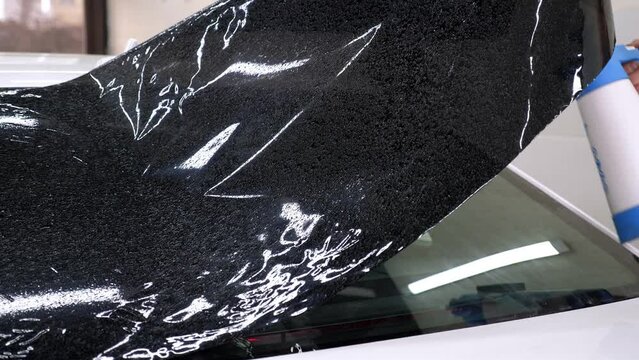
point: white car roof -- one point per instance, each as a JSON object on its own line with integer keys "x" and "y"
{"x": 37, "y": 70}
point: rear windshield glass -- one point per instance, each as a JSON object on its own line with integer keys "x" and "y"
{"x": 510, "y": 252}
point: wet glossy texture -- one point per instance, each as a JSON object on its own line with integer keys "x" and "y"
{"x": 245, "y": 165}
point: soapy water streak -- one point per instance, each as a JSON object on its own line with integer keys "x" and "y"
{"x": 198, "y": 305}
{"x": 142, "y": 124}
{"x": 249, "y": 69}
{"x": 200, "y": 50}
{"x": 17, "y": 343}
{"x": 371, "y": 33}
{"x": 133, "y": 314}
{"x": 239, "y": 168}
{"x": 532, "y": 74}
{"x": 576, "y": 82}
{"x": 270, "y": 289}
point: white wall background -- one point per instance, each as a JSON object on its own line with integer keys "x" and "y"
{"x": 560, "y": 156}
{"x": 141, "y": 19}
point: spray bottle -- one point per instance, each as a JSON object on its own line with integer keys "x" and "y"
{"x": 610, "y": 111}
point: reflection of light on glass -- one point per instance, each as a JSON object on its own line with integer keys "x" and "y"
{"x": 45, "y": 6}
{"x": 492, "y": 262}
{"x": 3, "y": 14}
{"x": 56, "y": 299}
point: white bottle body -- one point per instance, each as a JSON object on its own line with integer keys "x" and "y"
{"x": 611, "y": 118}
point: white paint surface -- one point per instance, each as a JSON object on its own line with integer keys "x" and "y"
{"x": 602, "y": 332}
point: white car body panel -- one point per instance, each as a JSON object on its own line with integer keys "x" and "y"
{"x": 601, "y": 332}
{"x": 38, "y": 70}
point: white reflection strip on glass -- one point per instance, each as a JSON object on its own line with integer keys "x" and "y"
{"x": 492, "y": 262}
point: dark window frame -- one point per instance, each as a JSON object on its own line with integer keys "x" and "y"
{"x": 95, "y": 16}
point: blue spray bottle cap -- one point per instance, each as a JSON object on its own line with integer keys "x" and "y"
{"x": 614, "y": 70}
